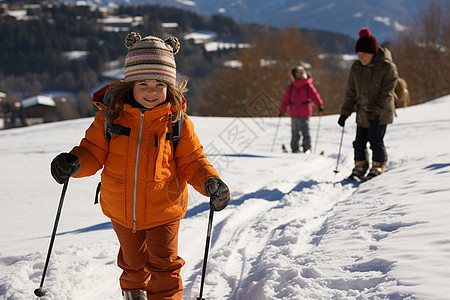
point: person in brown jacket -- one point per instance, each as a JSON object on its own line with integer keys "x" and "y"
{"x": 370, "y": 92}
{"x": 144, "y": 179}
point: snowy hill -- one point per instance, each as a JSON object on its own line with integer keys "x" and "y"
{"x": 384, "y": 17}
{"x": 293, "y": 229}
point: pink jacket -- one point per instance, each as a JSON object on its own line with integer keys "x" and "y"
{"x": 298, "y": 96}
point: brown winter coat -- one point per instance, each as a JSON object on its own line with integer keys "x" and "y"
{"x": 370, "y": 91}
{"x": 143, "y": 181}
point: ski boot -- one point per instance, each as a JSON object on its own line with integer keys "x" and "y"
{"x": 360, "y": 169}
{"x": 377, "y": 169}
{"x": 134, "y": 295}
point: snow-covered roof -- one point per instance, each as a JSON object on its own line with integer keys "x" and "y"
{"x": 76, "y": 55}
{"x": 169, "y": 25}
{"x": 121, "y": 20}
{"x": 115, "y": 73}
{"x": 18, "y": 14}
{"x": 38, "y": 100}
{"x": 201, "y": 36}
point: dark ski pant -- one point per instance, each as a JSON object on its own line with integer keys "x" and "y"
{"x": 300, "y": 125}
{"x": 374, "y": 135}
{"x": 150, "y": 253}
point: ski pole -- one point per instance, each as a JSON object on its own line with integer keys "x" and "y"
{"x": 276, "y": 133}
{"x": 205, "y": 258}
{"x": 317, "y": 134}
{"x": 39, "y": 292}
{"x": 339, "y": 154}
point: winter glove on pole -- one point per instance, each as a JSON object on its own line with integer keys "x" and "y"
{"x": 341, "y": 120}
{"x": 63, "y": 166}
{"x": 321, "y": 108}
{"x": 218, "y": 192}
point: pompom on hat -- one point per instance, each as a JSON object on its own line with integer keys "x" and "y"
{"x": 150, "y": 58}
{"x": 366, "y": 43}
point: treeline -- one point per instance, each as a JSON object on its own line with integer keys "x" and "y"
{"x": 421, "y": 53}
{"x": 32, "y": 54}
{"x": 33, "y": 60}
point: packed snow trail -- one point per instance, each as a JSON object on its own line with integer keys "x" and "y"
{"x": 269, "y": 225}
{"x": 293, "y": 229}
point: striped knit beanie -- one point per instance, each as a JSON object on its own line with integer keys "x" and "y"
{"x": 150, "y": 58}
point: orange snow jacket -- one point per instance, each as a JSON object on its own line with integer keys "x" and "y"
{"x": 143, "y": 181}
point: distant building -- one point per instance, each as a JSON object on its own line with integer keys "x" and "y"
{"x": 120, "y": 24}
{"x": 36, "y": 108}
{"x": 6, "y": 111}
{"x": 169, "y": 25}
{"x": 201, "y": 36}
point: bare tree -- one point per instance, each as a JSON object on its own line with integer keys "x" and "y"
{"x": 263, "y": 69}
{"x": 422, "y": 53}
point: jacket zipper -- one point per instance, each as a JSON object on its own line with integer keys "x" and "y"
{"x": 135, "y": 172}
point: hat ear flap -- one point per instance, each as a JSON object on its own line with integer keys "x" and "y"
{"x": 174, "y": 43}
{"x": 131, "y": 39}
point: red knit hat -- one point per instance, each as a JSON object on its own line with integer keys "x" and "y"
{"x": 367, "y": 43}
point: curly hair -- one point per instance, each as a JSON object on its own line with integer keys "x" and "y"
{"x": 121, "y": 92}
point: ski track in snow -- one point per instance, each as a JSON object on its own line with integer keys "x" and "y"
{"x": 293, "y": 229}
{"x": 257, "y": 234}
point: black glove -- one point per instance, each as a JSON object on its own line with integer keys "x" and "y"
{"x": 218, "y": 192}
{"x": 321, "y": 108}
{"x": 341, "y": 120}
{"x": 63, "y": 166}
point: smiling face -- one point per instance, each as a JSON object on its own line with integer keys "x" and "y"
{"x": 364, "y": 58}
{"x": 150, "y": 93}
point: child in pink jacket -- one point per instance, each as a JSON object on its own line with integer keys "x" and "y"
{"x": 298, "y": 96}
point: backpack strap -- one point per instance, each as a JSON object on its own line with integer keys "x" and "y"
{"x": 175, "y": 132}
{"x": 174, "y": 135}
{"x": 111, "y": 129}
{"x": 291, "y": 86}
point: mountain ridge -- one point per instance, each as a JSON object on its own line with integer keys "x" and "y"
{"x": 385, "y": 18}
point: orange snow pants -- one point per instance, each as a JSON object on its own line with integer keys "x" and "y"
{"x": 150, "y": 253}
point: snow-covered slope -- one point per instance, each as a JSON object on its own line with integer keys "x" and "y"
{"x": 293, "y": 230}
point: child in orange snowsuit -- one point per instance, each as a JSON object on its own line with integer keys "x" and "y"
{"x": 144, "y": 179}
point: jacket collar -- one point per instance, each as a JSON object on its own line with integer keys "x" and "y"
{"x": 298, "y": 83}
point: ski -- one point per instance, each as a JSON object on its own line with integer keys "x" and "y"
{"x": 285, "y": 150}
{"x": 355, "y": 178}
